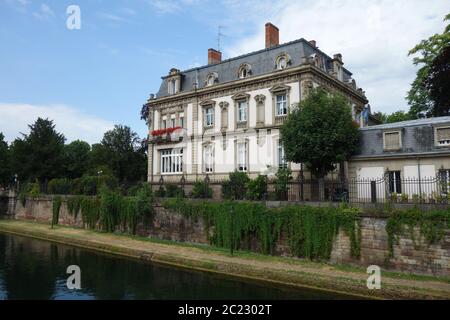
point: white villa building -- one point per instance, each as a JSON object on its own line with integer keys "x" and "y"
{"x": 226, "y": 115}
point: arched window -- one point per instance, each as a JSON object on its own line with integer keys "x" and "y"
{"x": 211, "y": 79}
{"x": 244, "y": 71}
{"x": 282, "y": 61}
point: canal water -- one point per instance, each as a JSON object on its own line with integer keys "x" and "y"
{"x": 35, "y": 269}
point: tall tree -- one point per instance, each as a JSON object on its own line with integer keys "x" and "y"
{"x": 76, "y": 158}
{"x": 123, "y": 152}
{"x": 396, "y": 116}
{"x": 5, "y": 169}
{"x": 437, "y": 84}
{"x": 421, "y": 104}
{"x": 40, "y": 154}
{"x": 320, "y": 133}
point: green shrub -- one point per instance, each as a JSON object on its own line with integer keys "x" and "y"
{"x": 173, "y": 191}
{"x": 161, "y": 192}
{"x": 91, "y": 185}
{"x": 283, "y": 176}
{"x": 257, "y": 188}
{"x": 202, "y": 190}
{"x": 59, "y": 186}
{"x": 134, "y": 189}
{"x": 236, "y": 186}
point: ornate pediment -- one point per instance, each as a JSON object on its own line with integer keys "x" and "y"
{"x": 241, "y": 96}
{"x": 280, "y": 87}
{"x": 208, "y": 103}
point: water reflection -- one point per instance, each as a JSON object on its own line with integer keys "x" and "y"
{"x": 33, "y": 269}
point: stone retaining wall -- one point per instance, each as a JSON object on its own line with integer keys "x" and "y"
{"x": 410, "y": 256}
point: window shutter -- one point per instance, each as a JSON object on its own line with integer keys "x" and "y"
{"x": 443, "y": 134}
{"x": 392, "y": 141}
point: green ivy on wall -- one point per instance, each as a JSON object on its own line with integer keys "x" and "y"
{"x": 310, "y": 231}
{"x": 56, "y": 208}
{"x": 431, "y": 225}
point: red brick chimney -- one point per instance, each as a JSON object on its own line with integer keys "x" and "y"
{"x": 272, "y": 35}
{"x": 214, "y": 56}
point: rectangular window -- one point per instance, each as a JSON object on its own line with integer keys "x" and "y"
{"x": 209, "y": 117}
{"x": 172, "y": 161}
{"x": 281, "y": 105}
{"x": 444, "y": 180}
{"x": 395, "y": 182}
{"x": 164, "y": 124}
{"x": 172, "y": 86}
{"x": 182, "y": 121}
{"x": 208, "y": 158}
{"x": 172, "y": 122}
{"x": 242, "y": 111}
{"x": 443, "y": 136}
{"x": 281, "y": 158}
{"x": 242, "y": 156}
{"x": 392, "y": 141}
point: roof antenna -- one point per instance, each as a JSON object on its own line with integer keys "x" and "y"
{"x": 219, "y": 36}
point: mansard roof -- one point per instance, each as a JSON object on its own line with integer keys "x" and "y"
{"x": 417, "y": 138}
{"x": 261, "y": 62}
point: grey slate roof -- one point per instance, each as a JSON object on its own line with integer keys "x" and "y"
{"x": 410, "y": 123}
{"x": 262, "y": 62}
{"x": 417, "y": 137}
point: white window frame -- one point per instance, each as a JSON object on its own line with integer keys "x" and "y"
{"x": 242, "y": 156}
{"x": 280, "y": 65}
{"x": 209, "y": 116}
{"x": 436, "y": 141}
{"x": 171, "y": 161}
{"x": 281, "y": 105}
{"x": 208, "y": 158}
{"x": 282, "y": 163}
{"x": 181, "y": 120}
{"x": 399, "y": 138}
{"x": 242, "y": 111}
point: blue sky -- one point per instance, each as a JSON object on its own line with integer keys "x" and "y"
{"x": 89, "y": 79}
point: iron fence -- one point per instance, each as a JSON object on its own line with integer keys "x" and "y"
{"x": 432, "y": 190}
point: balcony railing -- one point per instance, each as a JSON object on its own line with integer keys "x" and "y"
{"x": 279, "y": 120}
{"x": 168, "y": 135}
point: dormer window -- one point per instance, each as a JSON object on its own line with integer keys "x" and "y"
{"x": 172, "y": 87}
{"x": 211, "y": 79}
{"x": 442, "y": 137}
{"x": 392, "y": 141}
{"x": 282, "y": 61}
{"x": 244, "y": 71}
{"x": 174, "y": 81}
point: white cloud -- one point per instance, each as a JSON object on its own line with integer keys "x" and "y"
{"x": 112, "y": 17}
{"x": 44, "y": 13}
{"x": 171, "y": 6}
{"x": 18, "y": 5}
{"x": 74, "y": 124}
{"x": 373, "y": 36}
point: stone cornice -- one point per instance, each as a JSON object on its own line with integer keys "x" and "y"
{"x": 259, "y": 82}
